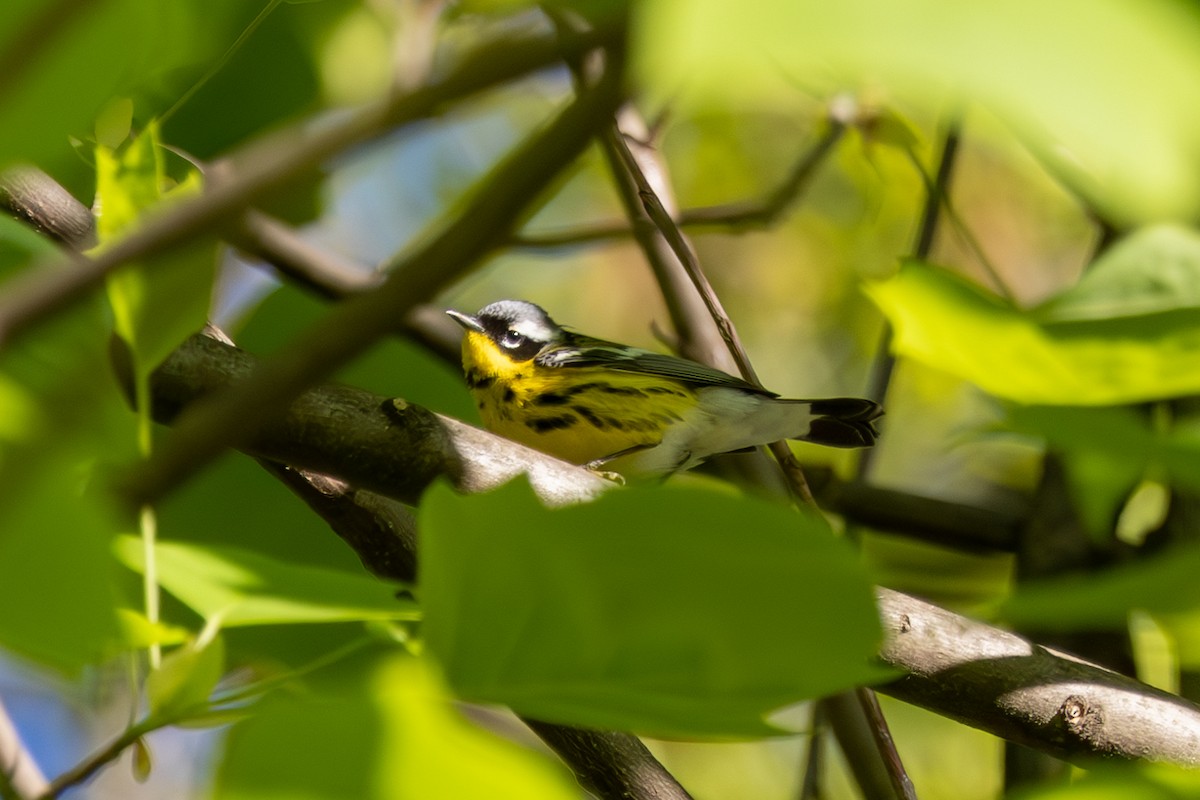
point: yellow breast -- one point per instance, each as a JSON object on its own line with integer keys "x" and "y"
{"x": 576, "y": 414}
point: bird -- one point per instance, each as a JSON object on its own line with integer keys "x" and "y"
{"x": 623, "y": 409}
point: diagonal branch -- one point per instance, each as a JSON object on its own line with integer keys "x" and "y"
{"x": 349, "y": 328}
{"x": 267, "y": 166}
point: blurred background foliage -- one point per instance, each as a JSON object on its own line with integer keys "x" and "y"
{"x": 1047, "y": 360}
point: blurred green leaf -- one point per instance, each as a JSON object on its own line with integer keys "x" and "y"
{"x": 186, "y": 678}
{"x": 1163, "y": 583}
{"x": 77, "y": 57}
{"x": 1154, "y": 269}
{"x": 55, "y": 567}
{"x": 1123, "y": 439}
{"x": 269, "y": 515}
{"x": 1121, "y": 782}
{"x": 1108, "y": 452}
{"x": 239, "y": 587}
{"x": 61, "y": 422}
{"x": 947, "y": 323}
{"x": 269, "y": 71}
{"x": 389, "y": 732}
{"x": 138, "y": 632}
{"x": 438, "y": 754}
{"x": 674, "y": 611}
{"x": 1053, "y": 73}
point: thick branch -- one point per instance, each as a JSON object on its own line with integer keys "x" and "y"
{"x": 1047, "y": 700}
{"x": 38, "y": 200}
{"x": 356, "y": 436}
{"x": 963, "y": 669}
{"x": 352, "y": 326}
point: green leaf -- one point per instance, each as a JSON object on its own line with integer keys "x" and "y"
{"x": 1164, "y": 583}
{"x": 673, "y": 611}
{"x": 1052, "y": 72}
{"x": 56, "y": 577}
{"x": 156, "y": 305}
{"x": 388, "y": 732}
{"x": 1153, "y": 270}
{"x": 1109, "y": 451}
{"x": 239, "y": 587}
{"x": 80, "y": 56}
{"x": 186, "y": 678}
{"x": 438, "y": 754}
{"x": 1120, "y": 782}
{"x": 138, "y": 632}
{"x": 947, "y": 323}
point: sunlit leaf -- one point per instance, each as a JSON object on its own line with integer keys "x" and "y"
{"x": 947, "y": 323}
{"x": 1054, "y": 73}
{"x": 437, "y": 754}
{"x": 1153, "y": 270}
{"x": 388, "y": 732}
{"x": 1120, "y": 782}
{"x": 239, "y": 587}
{"x": 674, "y": 611}
{"x": 138, "y": 632}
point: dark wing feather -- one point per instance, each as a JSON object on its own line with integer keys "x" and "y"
{"x": 584, "y": 351}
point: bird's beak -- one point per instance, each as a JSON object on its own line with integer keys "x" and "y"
{"x": 466, "y": 320}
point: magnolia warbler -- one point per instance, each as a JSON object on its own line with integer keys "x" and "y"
{"x": 633, "y": 411}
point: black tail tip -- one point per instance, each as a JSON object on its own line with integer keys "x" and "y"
{"x": 844, "y": 422}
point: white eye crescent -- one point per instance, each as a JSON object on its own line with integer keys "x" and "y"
{"x": 512, "y": 339}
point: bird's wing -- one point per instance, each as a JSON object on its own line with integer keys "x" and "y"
{"x": 584, "y": 351}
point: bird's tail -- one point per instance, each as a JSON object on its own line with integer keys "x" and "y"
{"x": 842, "y": 422}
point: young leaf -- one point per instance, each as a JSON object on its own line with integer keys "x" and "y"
{"x": 244, "y": 588}
{"x": 158, "y": 304}
{"x": 949, "y": 324}
{"x": 674, "y": 611}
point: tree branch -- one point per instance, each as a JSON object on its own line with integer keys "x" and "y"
{"x": 38, "y": 200}
{"x": 355, "y": 435}
{"x": 972, "y": 672}
{"x": 267, "y": 166}
{"x": 349, "y": 328}
{"x": 1042, "y": 698}
{"x": 735, "y": 216}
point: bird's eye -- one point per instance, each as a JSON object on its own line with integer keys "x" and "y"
{"x": 512, "y": 340}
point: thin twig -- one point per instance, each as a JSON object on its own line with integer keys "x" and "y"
{"x": 885, "y": 361}
{"x": 884, "y": 743}
{"x": 84, "y": 770}
{"x": 814, "y": 756}
{"x": 687, "y": 258}
{"x": 880, "y": 380}
{"x": 733, "y": 216}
